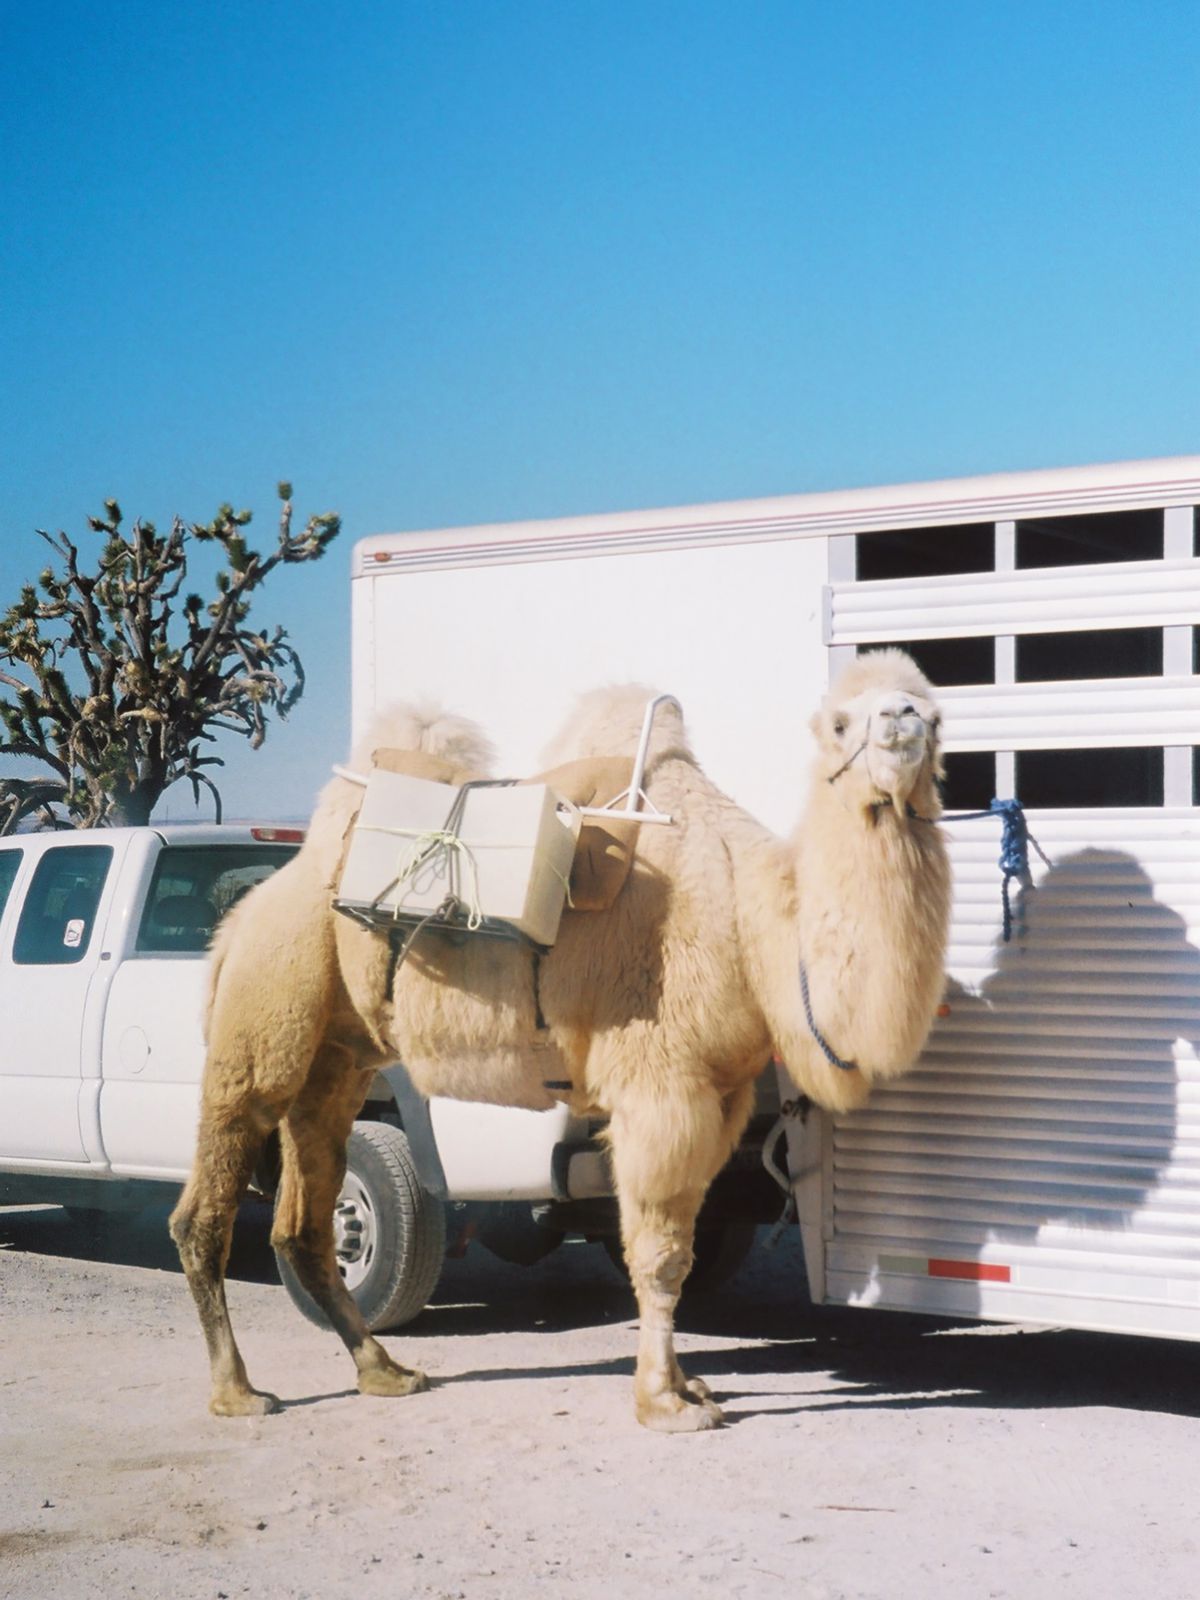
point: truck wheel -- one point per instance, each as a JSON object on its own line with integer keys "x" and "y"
{"x": 719, "y": 1250}
{"x": 511, "y": 1231}
{"x": 390, "y": 1236}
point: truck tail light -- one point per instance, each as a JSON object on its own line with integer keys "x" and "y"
{"x": 278, "y": 835}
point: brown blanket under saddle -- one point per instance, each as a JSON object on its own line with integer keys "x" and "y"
{"x": 604, "y": 852}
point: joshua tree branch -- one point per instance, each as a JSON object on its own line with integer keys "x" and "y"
{"x": 154, "y": 688}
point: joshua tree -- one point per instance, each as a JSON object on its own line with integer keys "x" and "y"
{"x": 118, "y": 685}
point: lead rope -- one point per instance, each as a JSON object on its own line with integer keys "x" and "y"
{"x": 827, "y": 1050}
{"x": 1014, "y": 847}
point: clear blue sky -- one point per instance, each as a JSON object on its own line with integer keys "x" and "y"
{"x": 482, "y": 259}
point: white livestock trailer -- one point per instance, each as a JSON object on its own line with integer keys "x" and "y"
{"x": 1042, "y": 1163}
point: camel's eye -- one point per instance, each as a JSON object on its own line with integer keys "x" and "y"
{"x": 839, "y": 724}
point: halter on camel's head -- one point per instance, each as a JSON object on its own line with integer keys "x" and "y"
{"x": 878, "y": 732}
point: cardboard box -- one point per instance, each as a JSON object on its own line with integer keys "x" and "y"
{"x": 505, "y": 857}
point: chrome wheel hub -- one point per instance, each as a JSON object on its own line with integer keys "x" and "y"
{"x": 355, "y": 1232}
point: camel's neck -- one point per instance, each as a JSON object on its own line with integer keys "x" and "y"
{"x": 863, "y": 898}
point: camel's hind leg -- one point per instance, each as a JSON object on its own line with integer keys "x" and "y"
{"x": 228, "y": 1146}
{"x": 667, "y": 1148}
{"x": 313, "y": 1144}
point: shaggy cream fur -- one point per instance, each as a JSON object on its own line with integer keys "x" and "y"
{"x": 660, "y": 1012}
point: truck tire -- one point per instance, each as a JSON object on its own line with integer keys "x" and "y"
{"x": 719, "y": 1250}
{"x": 390, "y": 1236}
{"x": 510, "y": 1230}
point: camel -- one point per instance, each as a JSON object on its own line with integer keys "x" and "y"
{"x": 727, "y": 947}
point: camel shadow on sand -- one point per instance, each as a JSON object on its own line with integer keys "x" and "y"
{"x": 135, "y": 1238}
{"x": 887, "y": 1361}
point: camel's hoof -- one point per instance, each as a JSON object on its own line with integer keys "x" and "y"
{"x": 672, "y": 1413}
{"x": 243, "y": 1403}
{"x": 697, "y": 1388}
{"x": 391, "y": 1381}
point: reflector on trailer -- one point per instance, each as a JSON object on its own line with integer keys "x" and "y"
{"x": 940, "y": 1267}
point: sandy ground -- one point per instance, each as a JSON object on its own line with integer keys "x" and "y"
{"x": 867, "y": 1455}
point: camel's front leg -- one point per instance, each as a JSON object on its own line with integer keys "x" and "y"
{"x": 667, "y": 1148}
{"x": 658, "y": 1251}
{"x": 313, "y": 1145}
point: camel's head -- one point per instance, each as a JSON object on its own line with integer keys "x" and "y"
{"x": 878, "y": 732}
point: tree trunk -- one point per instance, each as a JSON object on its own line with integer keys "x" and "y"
{"x": 134, "y": 810}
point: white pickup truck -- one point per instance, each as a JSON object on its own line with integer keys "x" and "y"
{"x": 102, "y": 955}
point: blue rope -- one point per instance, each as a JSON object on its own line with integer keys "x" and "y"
{"x": 1014, "y": 848}
{"x": 829, "y": 1053}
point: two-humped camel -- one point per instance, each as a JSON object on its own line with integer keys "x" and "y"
{"x": 661, "y": 1011}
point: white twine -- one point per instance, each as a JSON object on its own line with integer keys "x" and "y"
{"x": 436, "y": 849}
{"x": 433, "y": 847}
{"x": 566, "y": 884}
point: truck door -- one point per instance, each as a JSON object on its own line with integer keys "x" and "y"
{"x": 153, "y": 1045}
{"x": 44, "y": 981}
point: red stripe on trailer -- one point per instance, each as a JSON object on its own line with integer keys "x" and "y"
{"x": 976, "y": 1271}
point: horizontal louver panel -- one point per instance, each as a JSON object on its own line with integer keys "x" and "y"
{"x": 1050, "y": 1136}
{"x": 1040, "y": 600}
{"x": 1061, "y": 716}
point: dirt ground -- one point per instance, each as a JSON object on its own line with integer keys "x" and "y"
{"x": 868, "y": 1457}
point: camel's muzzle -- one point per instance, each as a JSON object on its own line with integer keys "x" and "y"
{"x": 900, "y": 729}
{"x": 901, "y": 739}
{"x": 904, "y": 737}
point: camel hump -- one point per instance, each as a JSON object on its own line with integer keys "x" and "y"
{"x": 419, "y": 764}
{"x": 431, "y": 730}
{"x": 608, "y": 722}
{"x": 604, "y": 850}
{"x": 589, "y": 781}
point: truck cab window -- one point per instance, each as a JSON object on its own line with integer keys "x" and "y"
{"x": 192, "y": 889}
{"x": 59, "y": 914}
{"x": 10, "y": 860}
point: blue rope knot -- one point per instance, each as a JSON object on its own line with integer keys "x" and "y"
{"x": 1014, "y": 852}
{"x": 1014, "y": 848}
